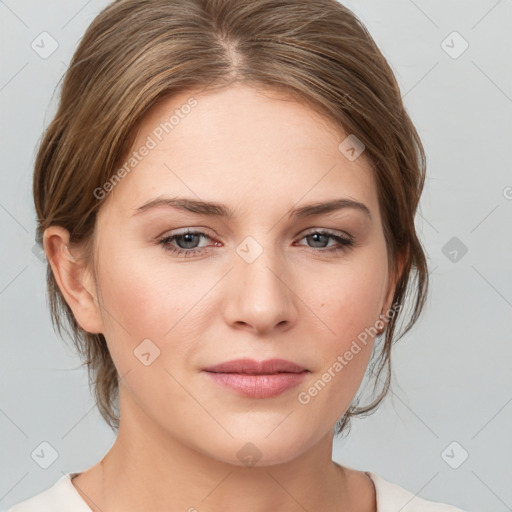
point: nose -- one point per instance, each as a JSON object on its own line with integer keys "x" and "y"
{"x": 259, "y": 295}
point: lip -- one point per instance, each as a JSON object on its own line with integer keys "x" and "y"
{"x": 250, "y": 378}
{"x": 253, "y": 367}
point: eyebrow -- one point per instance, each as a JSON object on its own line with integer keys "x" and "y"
{"x": 219, "y": 210}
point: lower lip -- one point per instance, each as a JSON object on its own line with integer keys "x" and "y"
{"x": 258, "y": 386}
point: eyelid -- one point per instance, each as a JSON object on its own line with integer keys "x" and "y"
{"x": 334, "y": 232}
{"x": 184, "y": 231}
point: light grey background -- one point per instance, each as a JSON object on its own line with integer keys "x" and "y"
{"x": 452, "y": 374}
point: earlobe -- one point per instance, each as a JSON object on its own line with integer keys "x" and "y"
{"x": 74, "y": 279}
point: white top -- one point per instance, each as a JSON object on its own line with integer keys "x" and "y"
{"x": 63, "y": 497}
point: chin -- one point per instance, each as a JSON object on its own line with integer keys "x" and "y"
{"x": 257, "y": 448}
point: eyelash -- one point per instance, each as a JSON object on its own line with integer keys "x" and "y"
{"x": 345, "y": 243}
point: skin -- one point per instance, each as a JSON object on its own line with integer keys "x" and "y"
{"x": 259, "y": 154}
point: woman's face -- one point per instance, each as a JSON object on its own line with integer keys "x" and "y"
{"x": 259, "y": 284}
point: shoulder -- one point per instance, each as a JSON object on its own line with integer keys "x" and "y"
{"x": 61, "y": 497}
{"x": 392, "y": 498}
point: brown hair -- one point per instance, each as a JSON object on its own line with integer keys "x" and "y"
{"x": 136, "y": 52}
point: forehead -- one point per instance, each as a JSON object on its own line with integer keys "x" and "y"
{"x": 245, "y": 147}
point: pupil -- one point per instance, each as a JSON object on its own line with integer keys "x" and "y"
{"x": 187, "y": 240}
{"x": 316, "y": 236}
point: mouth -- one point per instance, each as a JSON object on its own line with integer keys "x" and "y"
{"x": 253, "y": 379}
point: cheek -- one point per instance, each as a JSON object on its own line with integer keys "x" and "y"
{"x": 348, "y": 299}
{"x": 140, "y": 302}
{"x": 348, "y": 306}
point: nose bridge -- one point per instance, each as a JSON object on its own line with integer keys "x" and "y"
{"x": 259, "y": 294}
{"x": 258, "y": 266}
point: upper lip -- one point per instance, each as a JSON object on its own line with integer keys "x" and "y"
{"x": 251, "y": 366}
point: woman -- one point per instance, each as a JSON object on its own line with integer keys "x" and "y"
{"x": 226, "y": 198}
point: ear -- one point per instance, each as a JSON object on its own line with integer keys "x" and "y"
{"x": 394, "y": 276}
{"x": 74, "y": 279}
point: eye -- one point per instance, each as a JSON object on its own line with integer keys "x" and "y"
{"x": 188, "y": 239}
{"x": 322, "y": 236}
